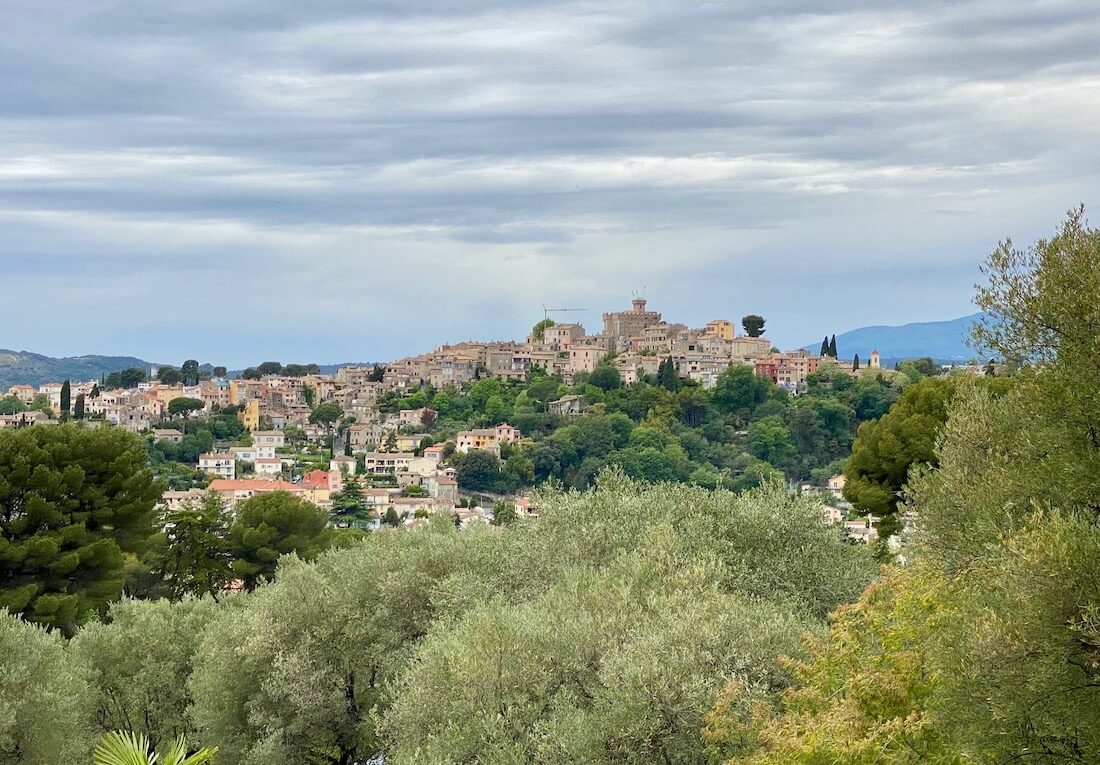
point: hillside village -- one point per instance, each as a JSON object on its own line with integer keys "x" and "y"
{"x": 332, "y": 440}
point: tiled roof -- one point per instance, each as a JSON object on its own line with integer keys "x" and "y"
{"x": 253, "y": 484}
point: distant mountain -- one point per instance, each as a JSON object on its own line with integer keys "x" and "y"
{"x": 330, "y": 369}
{"x": 942, "y": 340}
{"x": 25, "y": 368}
{"x": 326, "y": 369}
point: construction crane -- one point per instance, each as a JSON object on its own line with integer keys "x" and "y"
{"x": 547, "y": 310}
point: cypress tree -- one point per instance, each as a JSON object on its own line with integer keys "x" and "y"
{"x": 832, "y": 347}
{"x": 78, "y": 407}
{"x": 66, "y": 398}
{"x": 666, "y": 375}
{"x": 855, "y": 363}
{"x": 824, "y": 347}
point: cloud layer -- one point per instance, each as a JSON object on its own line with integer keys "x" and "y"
{"x": 319, "y": 181}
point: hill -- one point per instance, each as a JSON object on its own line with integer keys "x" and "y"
{"x": 25, "y": 368}
{"x": 942, "y": 340}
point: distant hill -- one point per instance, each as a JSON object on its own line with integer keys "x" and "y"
{"x": 942, "y": 340}
{"x": 25, "y": 368}
{"x": 326, "y": 369}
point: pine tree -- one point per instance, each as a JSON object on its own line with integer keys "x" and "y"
{"x": 753, "y": 324}
{"x": 832, "y": 347}
{"x": 391, "y": 442}
{"x": 349, "y": 501}
{"x": 65, "y": 541}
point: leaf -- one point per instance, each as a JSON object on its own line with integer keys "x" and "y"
{"x": 120, "y": 748}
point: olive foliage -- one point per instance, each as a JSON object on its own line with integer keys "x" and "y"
{"x": 985, "y": 648}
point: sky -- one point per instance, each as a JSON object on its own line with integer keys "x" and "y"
{"x": 338, "y": 180}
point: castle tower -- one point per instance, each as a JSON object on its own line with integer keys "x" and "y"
{"x": 639, "y": 305}
{"x": 875, "y": 360}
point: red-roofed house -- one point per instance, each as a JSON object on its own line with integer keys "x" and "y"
{"x": 238, "y": 490}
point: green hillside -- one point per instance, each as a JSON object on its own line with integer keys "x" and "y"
{"x": 25, "y": 368}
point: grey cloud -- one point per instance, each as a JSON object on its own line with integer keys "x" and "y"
{"x": 715, "y": 152}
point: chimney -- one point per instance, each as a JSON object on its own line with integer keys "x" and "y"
{"x": 639, "y": 305}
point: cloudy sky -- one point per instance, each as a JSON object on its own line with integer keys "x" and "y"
{"x": 344, "y": 180}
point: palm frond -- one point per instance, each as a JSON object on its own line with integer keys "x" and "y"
{"x": 124, "y": 748}
{"x": 201, "y": 757}
{"x": 127, "y": 748}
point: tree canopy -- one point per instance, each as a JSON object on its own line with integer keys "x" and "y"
{"x": 753, "y": 325}
{"x": 72, "y": 502}
{"x": 270, "y": 525}
{"x": 983, "y": 647}
{"x": 184, "y": 406}
{"x": 326, "y": 413}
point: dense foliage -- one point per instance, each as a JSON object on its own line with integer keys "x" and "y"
{"x": 737, "y": 435}
{"x": 986, "y": 647}
{"x": 530, "y": 641}
{"x": 270, "y": 525}
{"x": 73, "y": 502}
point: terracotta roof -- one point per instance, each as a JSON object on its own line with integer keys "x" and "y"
{"x": 253, "y": 484}
{"x": 316, "y": 477}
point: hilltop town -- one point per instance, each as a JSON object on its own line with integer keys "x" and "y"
{"x": 391, "y": 441}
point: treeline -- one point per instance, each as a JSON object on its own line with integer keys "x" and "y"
{"x": 740, "y": 434}
{"x": 599, "y": 633}
{"x": 79, "y": 529}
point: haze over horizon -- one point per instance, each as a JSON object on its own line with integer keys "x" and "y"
{"x": 327, "y": 183}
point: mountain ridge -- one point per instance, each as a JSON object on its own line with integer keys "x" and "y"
{"x": 942, "y": 340}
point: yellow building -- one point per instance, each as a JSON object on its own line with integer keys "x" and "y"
{"x": 250, "y": 415}
{"x": 720, "y": 328}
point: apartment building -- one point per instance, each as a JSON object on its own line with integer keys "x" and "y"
{"x": 219, "y": 465}
{"x": 383, "y": 462}
{"x": 488, "y": 439}
{"x": 274, "y": 439}
{"x": 234, "y": 491}
{"x": 721, "y": 328}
